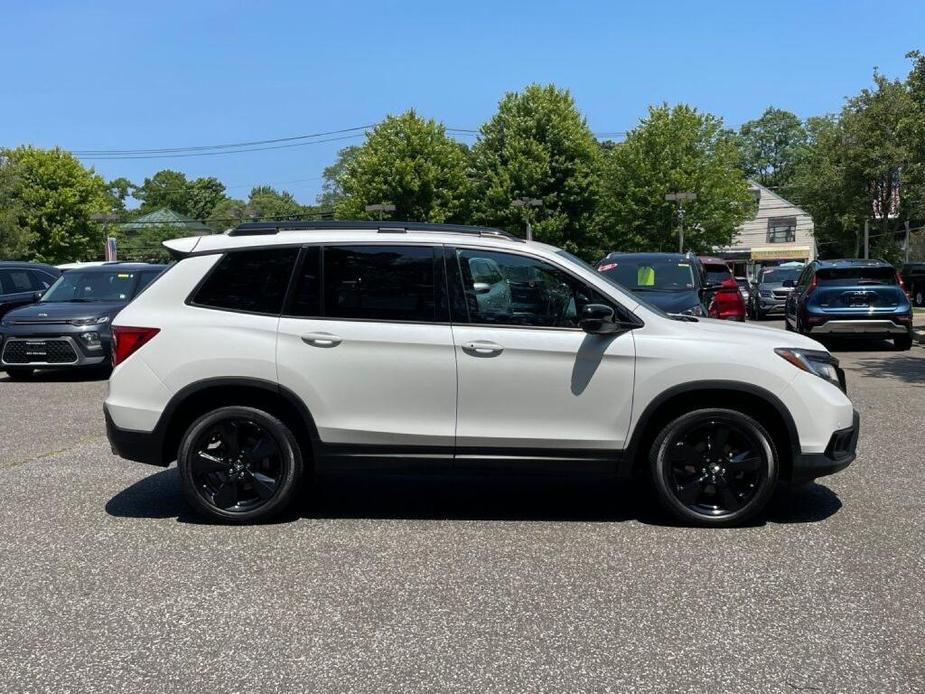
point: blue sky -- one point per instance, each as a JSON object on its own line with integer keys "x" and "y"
{"x": 115, "y": 75}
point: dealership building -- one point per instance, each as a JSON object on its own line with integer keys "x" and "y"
{"x": 780, "y": 232}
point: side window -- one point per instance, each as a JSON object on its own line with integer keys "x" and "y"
{"x": 306, "y": 300}
{"x": 15, "y": 281}
{"x": 41, "y": 281}
{"x": 252, "y": 281}
{"x": 509, "y": 289}
{"x": 380, "y": 283}
{"x": 804, "y": 278}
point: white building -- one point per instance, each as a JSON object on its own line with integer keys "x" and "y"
{"x": 779, "y": 232}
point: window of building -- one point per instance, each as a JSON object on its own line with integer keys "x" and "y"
{"x": 782, "y": 229}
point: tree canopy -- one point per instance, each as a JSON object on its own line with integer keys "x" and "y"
{"x": 537, "y": 145}
{"x": 772, "y": 147}
{"x": 674, "y": 149}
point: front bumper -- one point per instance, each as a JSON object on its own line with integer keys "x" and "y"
{"x": 139, "y": 446}
{"x": 44, "y": 347}
{"x": 838, "y": 455}
{"x": 771, "y": 305}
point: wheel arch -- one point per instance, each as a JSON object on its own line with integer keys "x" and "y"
{"x": 195, "y": 399}
{"x": 750, "y": 399}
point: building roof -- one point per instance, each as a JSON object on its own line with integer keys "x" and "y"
{"x": 165, "y": 217}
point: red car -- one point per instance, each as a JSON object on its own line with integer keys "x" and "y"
{"x": 727, "y": 302}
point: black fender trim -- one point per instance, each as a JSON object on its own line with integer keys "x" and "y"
{"x": 636, "y": 439}
{"x": 150, "y": 447}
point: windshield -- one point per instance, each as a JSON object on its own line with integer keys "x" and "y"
{"x": 77, "y": 285}
{"x": 779, "y": 274}
{"x": 650, "y": 275}
{"x": 578, "y": 261}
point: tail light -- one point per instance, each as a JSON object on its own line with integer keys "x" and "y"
{"x": 902, "y": 285}
{"x": 126, "y": 341}
{"x": 812, "y": 285}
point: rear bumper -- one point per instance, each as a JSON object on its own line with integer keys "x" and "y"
{"x": 139, "y": 446}
{"x": 838, "y": 455}
{"x": 859, "y": 326}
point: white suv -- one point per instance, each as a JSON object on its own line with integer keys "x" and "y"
{"x": 280, "y": 349}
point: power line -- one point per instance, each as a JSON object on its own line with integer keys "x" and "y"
{"x": 217, "y": 152}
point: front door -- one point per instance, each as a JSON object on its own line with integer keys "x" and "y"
{"x": 532, "y": 384}
{"x": 369, "y": 349}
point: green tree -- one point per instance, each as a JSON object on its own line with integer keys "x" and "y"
{"x": 538, "y": 145}
{"x": 166, "y": 188}
{"x": 331, "y": 191}
{"x": 203, "y": 195}
{"x": 265, "y": 202}
{"x": 410, "y": 162}
{"x": 674, "y": 149}
{"x": 117, "y": 190}
{"x": 49, "y": 201}
{"x": 772, "y": 146}
{"x": 226, "y": 214}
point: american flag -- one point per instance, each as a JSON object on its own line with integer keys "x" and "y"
{"x": 110, "y": 249}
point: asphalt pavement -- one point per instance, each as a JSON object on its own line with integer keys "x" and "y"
{"x": 375, "y": 584}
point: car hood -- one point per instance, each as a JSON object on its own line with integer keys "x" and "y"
{"x": 671, "y": 302}
{"x": 54, "y": 311}
{"x": 748, "y": 333}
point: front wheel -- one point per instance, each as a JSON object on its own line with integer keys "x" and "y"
{"x": 239, "y": 464}
{"x": 714, "y": 467}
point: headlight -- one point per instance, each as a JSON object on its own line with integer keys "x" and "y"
{"x": 696, "y": 310}
{"x": 91, "y": 340}
{"x": 81, "y": 322}
{"x": 821, "y": 364}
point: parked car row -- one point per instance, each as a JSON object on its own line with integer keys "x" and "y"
{"x": 66, "y": 317}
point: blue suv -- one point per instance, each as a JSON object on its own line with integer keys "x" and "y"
{"x": 850, "y": 298}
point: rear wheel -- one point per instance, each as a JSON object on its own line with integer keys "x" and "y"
{"x": 918, "y": 296}
{"x": 714, "y": 467}
{"x": 239, "y": 464}
{"x": 902, "y": 342}
{"x": 19, "y": 373}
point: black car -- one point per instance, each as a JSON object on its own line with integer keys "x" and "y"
{"x": 70, "y": 325}
{"x": 913, "y": 275}
{"x": 674, "y": 282}
{"x": 21, "y": 282}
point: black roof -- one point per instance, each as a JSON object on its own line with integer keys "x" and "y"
{"x": 27, "y": 264}
{"x": 385, "y": 226}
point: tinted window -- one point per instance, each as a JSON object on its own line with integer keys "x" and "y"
{"x": 715, "y": 274}
{"x": 253, "y": 281}
{"x": 145, "y": 279}
{"x": 856, "y": 275}
{"x": 15, "y": 281}
{"x": 508, "y": 289}
{"x": 649, "y": 274}
{"x": 41, "y": 281}
{"x": 380, "y": 283}
{"x": 93, "y": 285}
{"x": 307, "y": 293}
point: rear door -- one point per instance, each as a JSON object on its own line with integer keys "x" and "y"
{"x": 532, "y": 384}
{"x": 16, "y": 288}
{"x": 365, "y": 342}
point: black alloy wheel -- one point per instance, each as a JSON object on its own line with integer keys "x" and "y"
{"x": 239, "y": 464}
{"x": 714, "y": 467}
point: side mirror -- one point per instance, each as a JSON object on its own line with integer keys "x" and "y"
{"x": 598, "y": 319}
{"x": 37, "y": 296}
{"x": 481, "y": 287}
{"x": 789, "y": 283}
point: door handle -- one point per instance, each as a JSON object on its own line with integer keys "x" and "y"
{"x": 321, "y": 339}
{"x": 482, "y": 348}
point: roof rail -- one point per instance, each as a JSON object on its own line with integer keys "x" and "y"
{"x": 383, "y": 227}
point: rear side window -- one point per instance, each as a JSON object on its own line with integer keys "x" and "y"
{"x": 251, "y": 281}
{"x": 15, "y": 281}
{"x": 379, "y": 283}
{"x": 850, "y": 276}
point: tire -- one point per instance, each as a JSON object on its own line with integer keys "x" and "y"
{"x": 758, "y": 314}
{"x": 787, "y": 325}
{"x": 19, "y": 373}
{"x": 918, "y": 296}
{"x": 239, "y": 465}
{"x": 902, "y": 342}
{"x": 703, "y": 486}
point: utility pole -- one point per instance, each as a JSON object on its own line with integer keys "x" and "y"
{"x": 380, "y": 208}
{"x": 680, "y": 198}
{"x": 526, "y": 204}
{"x": 866, "y": 239}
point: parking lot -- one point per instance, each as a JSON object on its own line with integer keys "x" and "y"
{"x": 457, "y": 584}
